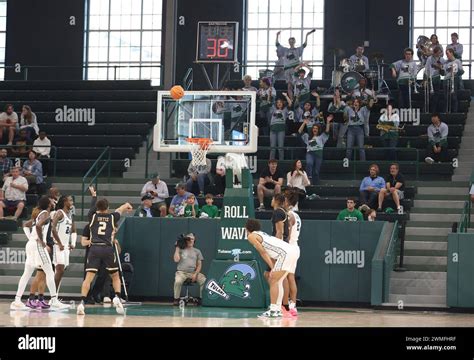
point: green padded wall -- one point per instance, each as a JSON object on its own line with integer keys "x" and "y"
{"x": 460, "y": 287}
{"x": 150, "y": 243}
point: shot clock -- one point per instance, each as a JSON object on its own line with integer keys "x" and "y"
{"x": 217, "y": 42}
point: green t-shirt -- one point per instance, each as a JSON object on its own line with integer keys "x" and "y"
{"x": 354, "y": 215}
{"x": 211, "y": 210}
{"x": 188, "y": 210}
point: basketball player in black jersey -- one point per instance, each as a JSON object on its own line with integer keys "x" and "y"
{"x": 102, "y": 228}
{"x": 280, "y": 230}
{"x": 279, "y": 218}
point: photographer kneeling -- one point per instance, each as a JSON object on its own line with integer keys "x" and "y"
{"x": 189, "y": 261}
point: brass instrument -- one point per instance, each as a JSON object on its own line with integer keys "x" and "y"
{"x": 386, "y": 127}
{"x": 425, "y": 48}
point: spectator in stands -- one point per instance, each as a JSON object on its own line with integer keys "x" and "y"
{"x": 5, "y": 163}
{"x": 301, "y": 83}
{"x": 189, "y": 261}
{"x": 279, "y": 115}
{"x": 371, "y": 215}
{"x": 350, "y": 213}
{"x": 270, "y": 182}
{"x": 437, "y": 150}
{"x": 314, "y": 148}
{"x": 8, "y": 123}
{"x": 394, "y": 187}
{"x": 145, "y": 210}
{"x": 297, "y": 179}
{"x": 159, "y": 192}
{"x": 179, "y": 200}
{"x": 361, "y": 92}
{"x": 219, "y": 178}
{"x": 265, "y": 97}
{"x": 33, "y": 172}
{"x": 198, "y": 175}
{"x": 357, "y": 127}
{"x": 455, "y": 45}
{"x": 248, "y": 84}
{"x": 192, "y": 208}
{"x": 389, "y": 122}
{"x": 29, "y": 122}
{"x": 337, "y": 107}
{"x": 307, "y": 111}
{"x": 22, "y": 145}
{"x": 13, "y": 194}
{"x": 42, "y": 147}
{"x": 370, "y": 188}
{"x": 471, "y": 192}
{"x": 209, "y": 210}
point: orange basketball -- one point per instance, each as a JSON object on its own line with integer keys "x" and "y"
{"x": 177, "y": 92}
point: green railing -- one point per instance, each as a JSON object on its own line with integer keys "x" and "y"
{"x": 149, "y": 144}
{"x": 104, "y": 157}
{"x": 465, "y": 217}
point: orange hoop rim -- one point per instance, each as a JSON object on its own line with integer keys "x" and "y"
{"x": 203, "y": 143}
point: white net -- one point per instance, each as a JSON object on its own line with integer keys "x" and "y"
{"x": 199, "y": 151}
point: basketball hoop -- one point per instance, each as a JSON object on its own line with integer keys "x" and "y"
{"x": 199, "y": 149}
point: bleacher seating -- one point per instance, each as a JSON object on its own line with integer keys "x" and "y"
{"x": 131, "y": 104}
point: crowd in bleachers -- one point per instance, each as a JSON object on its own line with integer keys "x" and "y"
{"x": 24, "y": 154}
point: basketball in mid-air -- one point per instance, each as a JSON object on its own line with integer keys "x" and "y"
{"x": 177, "y": 92}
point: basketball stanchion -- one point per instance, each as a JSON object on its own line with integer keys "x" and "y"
{"x": 127, "y": 302}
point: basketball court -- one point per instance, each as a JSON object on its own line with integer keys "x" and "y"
{"x": 164, "y": 315}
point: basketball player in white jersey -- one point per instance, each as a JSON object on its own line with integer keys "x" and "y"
{"x": 38, "y": 285}
{"x": 294, "y": 222}
{"x": 63, "y": 230}
{"x": 37, "y": 257}
{"x": 285, "y": 256}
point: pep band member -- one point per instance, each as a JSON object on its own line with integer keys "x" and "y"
{"x": 404, "y": 71}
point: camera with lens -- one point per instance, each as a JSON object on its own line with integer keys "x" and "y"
{"x": 182, "y": 241}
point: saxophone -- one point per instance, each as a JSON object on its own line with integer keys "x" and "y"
{"x": 386, "y": 127}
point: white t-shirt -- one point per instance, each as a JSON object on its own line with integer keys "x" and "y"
{"x": 15, "y": 194}
{"x": 44, "y": 151}
{"x": 13, "y": 117}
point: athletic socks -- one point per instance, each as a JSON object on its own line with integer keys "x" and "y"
{"x": 83, "y": 299}
{"x": 32, "y": 297}
{"x": 41, "y": 297}
{"x": 274, "y": 307}
{"x": 292, "y": 305}
{"x": 117, "y": 295}
{"x": 287, "y": 307}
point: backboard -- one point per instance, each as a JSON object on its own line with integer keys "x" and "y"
{"x": 226, "y": 117}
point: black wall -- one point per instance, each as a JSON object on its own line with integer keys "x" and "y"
{"x": 39, "y": 34}
{"x": 349, "y": 23}
{"x": 203, "y": 10}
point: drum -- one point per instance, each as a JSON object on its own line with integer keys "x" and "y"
{"x": 371, "y": 74}
{"x": 345, "y": 65}
{"x": 350, "y": 81}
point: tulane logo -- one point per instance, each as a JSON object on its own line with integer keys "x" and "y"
{"x": 234, "y": 282}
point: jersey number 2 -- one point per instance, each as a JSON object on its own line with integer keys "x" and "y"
{"x": 102, "y": 227}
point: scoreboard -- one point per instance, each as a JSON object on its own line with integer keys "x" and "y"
{"x": 217, "y": 42}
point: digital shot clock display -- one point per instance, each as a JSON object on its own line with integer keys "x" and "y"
{"x": 217, "y": 42}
